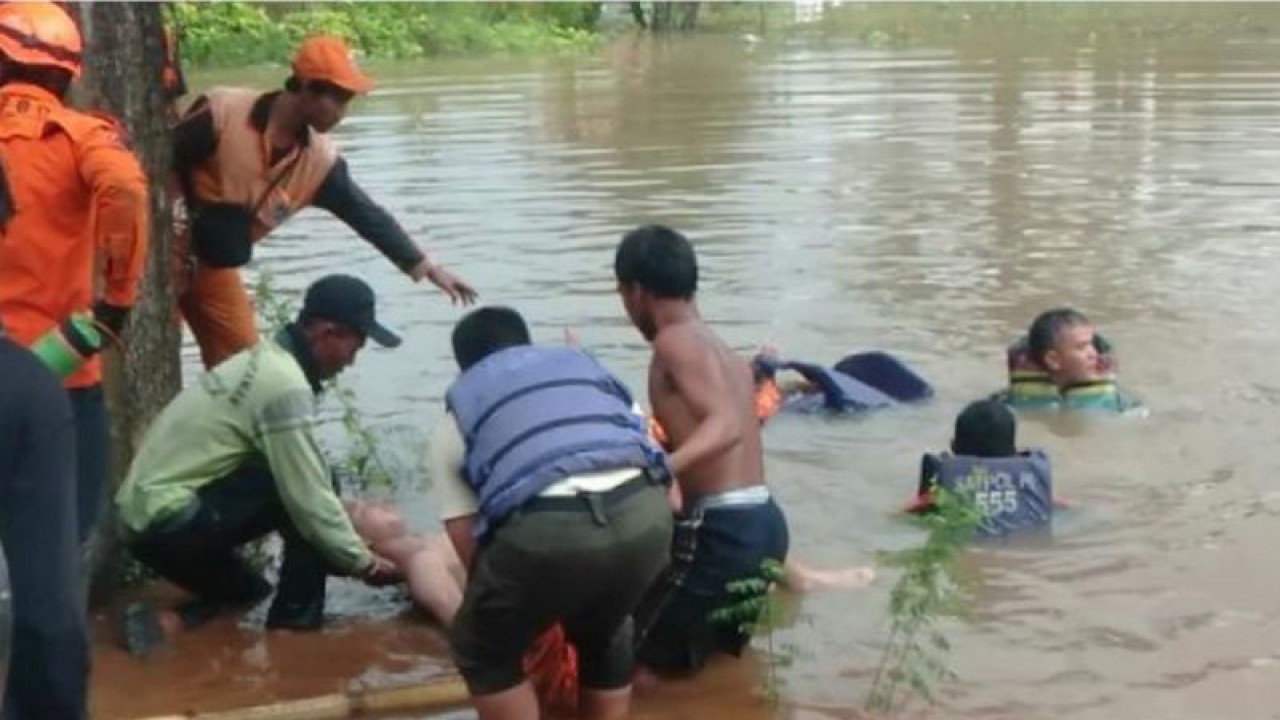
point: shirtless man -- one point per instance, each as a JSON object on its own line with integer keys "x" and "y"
{"x": 703, "y": 396}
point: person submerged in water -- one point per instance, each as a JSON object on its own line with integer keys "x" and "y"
{"x": 1063, "y": 363}
{"x": 1012, "y": 489}
{"x": 859, "y": 382}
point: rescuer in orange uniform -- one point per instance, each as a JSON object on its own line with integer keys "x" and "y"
{"x": 77, "y": 238}
{"x": 247, "y": 161}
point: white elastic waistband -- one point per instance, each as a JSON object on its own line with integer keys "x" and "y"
{"x": 738, "y": 497}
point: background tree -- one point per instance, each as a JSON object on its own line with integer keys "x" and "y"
{"x": 662, "y": 17}
{"x": 124, "y": 64}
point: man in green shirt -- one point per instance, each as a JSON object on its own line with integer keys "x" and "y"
{"x": 233, "y": 458}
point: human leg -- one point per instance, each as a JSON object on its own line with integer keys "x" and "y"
{"x": 218, "y": 310}
{"x": 497, "y": 621}
{"x": 636, "y": 551}
{"x": 714, "y": 546}
{"x": 430, "y": 566}
{"x": 90, "y": 409}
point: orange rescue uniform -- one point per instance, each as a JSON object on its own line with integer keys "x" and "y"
{"x": 213, "y": 300}
{"x": 80, "y": 208}
{"x": 223, "y": 157}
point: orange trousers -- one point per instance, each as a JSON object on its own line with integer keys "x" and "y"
{"x": 217, "y": 308}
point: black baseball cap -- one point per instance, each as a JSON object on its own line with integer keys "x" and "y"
{"x": 349, "y": 301}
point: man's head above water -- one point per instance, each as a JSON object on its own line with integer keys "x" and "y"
{"x": 1062, "y": 343}
{"x": 986, "y": 428}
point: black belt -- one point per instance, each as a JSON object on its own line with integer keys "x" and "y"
{"x": 595, "y": 502}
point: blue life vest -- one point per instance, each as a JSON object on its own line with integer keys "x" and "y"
{"x": 859, "y": 382}
{"x": 1013, "y": 493}
{"x": 532, "y": 416}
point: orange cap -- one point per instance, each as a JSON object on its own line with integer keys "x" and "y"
{"x": 40, "y": 33}
{"x": 329, "y": 58}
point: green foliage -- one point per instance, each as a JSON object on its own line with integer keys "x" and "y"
{"x": 1055, "y": 23}
{"x": 929, "y": 590}
{"x": 757, "y": 610}
{"x": 245, "y": 33}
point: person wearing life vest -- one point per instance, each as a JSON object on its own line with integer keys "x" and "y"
{"x": 1013, "y": 490}
{"x": 80, "y": 217}
{"x": 859, "y": 382}
{"x": 233, "y": 458}
{"x": 1064, "y": 363}
{"x": 247, "y": 161}
{"x": 553, "y": 495}
{"x": 48, "y": 665}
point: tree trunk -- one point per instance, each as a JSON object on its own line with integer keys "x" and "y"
{"x": 637, "y": 14}
{"x": 665, "y": 17}
{"x": 124, "y": 64}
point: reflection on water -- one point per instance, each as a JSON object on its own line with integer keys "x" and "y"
{"x": 925, "y": 201}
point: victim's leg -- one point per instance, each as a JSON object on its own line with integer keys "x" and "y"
{"x": 430, "y": 567}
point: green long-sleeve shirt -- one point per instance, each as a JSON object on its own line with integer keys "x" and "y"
{"x": 257, "y": 405}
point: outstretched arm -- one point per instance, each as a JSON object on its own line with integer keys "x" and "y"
{"x": 340, "y": 195}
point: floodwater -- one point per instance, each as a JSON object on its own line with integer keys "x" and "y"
{"x": 929, "y": 202}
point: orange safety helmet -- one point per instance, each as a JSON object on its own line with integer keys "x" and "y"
{"x": 40, "y": 33}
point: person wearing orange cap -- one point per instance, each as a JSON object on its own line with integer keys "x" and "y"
{"x": 80, "y": 217}
{"x": 247, "y": 161}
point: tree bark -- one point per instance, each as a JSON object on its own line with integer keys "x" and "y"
{"x": 124, "y": 65}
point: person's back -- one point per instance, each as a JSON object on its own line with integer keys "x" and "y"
{"x": 50, "y": 659}
{"x": 47, "y": 277}
{"x": 702, "y": 392}
{"x": 207, "y": 431}
{"x": 1013, "y": 490}
{"x": 682, "y": 413}
{"x": 552, "y": 494}
{"x": 77, "y": 236}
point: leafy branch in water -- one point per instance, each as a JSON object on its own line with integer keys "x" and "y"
{"x": 928, "y": 591}
{"x": 757, "y": 610}
{"x": 362, "y": 461}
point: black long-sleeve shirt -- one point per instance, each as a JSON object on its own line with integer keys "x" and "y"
{"x": 195, "y": 140}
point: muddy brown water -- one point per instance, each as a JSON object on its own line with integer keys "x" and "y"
{"x": 929, "y": 202}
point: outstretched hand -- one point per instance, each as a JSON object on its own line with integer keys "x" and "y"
{"x": 456, "y": 288}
